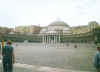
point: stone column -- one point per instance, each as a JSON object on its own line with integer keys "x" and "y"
{"x": 59, "y": 38}
{"x": 49, "y": 39}
{"x": 55, "y": 38}
{"x": 42, "y": 38}
{"x": 56, "y": 41}
{"x": 45, "y": 38}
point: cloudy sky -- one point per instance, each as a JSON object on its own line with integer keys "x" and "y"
{"x": 43, "y": 12}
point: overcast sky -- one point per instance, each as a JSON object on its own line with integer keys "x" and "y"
{"x": 34, "y": 12}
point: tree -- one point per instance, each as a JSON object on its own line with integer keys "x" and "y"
{"x": 96, "y": 34}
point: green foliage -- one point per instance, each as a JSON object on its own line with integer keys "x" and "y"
{"x": 96, "y": 33}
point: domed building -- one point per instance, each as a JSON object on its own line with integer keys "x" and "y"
{"x": 53, "y": 32}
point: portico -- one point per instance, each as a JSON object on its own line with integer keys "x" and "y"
{"x": 51, "y": 38}
{"x": 52, "y": 33}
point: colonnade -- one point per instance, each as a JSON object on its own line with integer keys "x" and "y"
{"x": 50, "y": 38}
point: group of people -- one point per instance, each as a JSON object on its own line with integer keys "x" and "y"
{"x": 8, "y": 57}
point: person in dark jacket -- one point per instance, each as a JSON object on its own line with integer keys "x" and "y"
{"x": 8, "y": 57}
{"x": 97, "y": 59}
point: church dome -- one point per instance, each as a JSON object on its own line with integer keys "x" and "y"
{"x": 58, "y": 23}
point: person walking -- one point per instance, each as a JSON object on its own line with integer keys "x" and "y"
{"x": 97, "y": 59}
{"x": 8, "y": 57}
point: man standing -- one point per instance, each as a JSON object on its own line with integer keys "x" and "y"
{"x": 8, "y": 57}
{"x": 97, "y": 59}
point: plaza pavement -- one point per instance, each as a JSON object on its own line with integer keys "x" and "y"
{"x": 30, "y": 68}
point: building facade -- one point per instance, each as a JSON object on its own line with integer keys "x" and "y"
{"x": 56, "y": 32}
{"x": 59, "y": 31}
{"x": 52, "y": 33}
{"x": 28, "y": 30}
